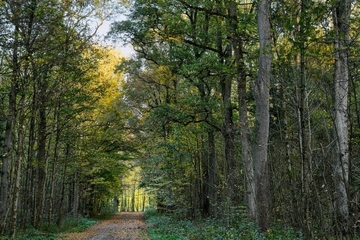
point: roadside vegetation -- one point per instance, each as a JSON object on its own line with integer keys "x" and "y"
{"x": 168, "y": 226}
{"x": 54, "y": 231}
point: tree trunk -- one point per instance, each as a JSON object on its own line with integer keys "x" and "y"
{"x": 341, "y": 16}
{"x": 228, "y": 134}
{"x": 250, "y": 195}
{"x": 75, "y": 203}
{"x": 18, "y": 161}
{"x": 304, "y": 132}
{"x": 53, "y": 168}
{"x": 31, "y": 172}
{"x": 204, "y": 176}
{"x": 5, "y": 171}
{"x": 143, "y": 204}
{"x": 41, "y": 160}
{"x": 211, "y": 173}
{"x": 243, "y": 117}
{"x": 133, "y": 198}
{"x": 17, "y": 170}
{"x": 8, "y": 140}
{"x": 62, "y": 194}
{"x": 262, "y": 89}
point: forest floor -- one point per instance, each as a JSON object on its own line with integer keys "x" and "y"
{"x": 123, "y": 226}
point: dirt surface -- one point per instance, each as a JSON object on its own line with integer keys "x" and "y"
{"x": 123, "y": 226}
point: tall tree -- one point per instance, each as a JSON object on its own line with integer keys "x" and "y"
{"x": 341, "y": 19}
{"x": 262, "y": 98}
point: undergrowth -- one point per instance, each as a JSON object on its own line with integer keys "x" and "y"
{"x": 168, "y": 227}
{"x": 52, "y": 231}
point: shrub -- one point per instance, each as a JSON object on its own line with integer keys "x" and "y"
{"x": 165, "y": 226}
{"x": 51, "y": 231}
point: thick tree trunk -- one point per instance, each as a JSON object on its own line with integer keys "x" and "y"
{"x": 341, "y": 17}
{"x": 250, "y": 195}
{"x": 262, "y": 89}
{"x": 228, "y": 134}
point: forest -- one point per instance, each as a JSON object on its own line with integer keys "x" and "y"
{"x": 226, "y": 109}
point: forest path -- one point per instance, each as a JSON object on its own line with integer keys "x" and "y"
{"x": 123, "y": 226}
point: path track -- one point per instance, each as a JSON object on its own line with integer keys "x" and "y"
{"x": 123, "y": 226}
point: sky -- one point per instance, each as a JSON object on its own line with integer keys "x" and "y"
{"x": 126, "y": 50}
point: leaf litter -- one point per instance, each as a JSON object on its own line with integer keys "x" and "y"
{"x": 122, "y": 226}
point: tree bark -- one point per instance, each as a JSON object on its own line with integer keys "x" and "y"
{"x": 75, "y": 203}
{"x": 41, "y": 153}
{"x": 54, "y": 163}
{"x": 18, "y": 159}
{"x": 62, "y": 198}
{"x": 262, "y": 89}
{"x": 5, "y": 171}
{"x": 211, "y": 173}
{"x": 250, "y": 195}
{"x": 8, "y": 140}
{"x": 341, "y": 17}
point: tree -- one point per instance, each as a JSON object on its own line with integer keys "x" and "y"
{"x": 179, "y": 37}
{"x": 191, "y": 57}
{"x": 262, "y": 91}
{"x": 43, "y": 71}
{"x": 341, "y": 19}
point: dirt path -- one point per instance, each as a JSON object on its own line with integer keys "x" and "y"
{"x": 123, "y": 226}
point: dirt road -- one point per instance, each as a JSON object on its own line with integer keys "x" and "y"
{"x": 123, "y": 226}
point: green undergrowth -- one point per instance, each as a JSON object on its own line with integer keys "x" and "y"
{"x": 168, "y": 227}
{"x": 52, "y": 231}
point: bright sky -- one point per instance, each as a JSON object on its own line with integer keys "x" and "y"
{"x": 126, "y": 50}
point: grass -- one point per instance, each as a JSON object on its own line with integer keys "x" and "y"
{"x": 52, "y": 231}
{"x": 167, "y": 227}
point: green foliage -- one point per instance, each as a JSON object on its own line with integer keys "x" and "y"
{"x": 174, "y": 84}
{"x": 163, "y": 226}
{"x": 52, "y": 231}
{"x": 32, "y": 234}
{"x": 72, "y": 225}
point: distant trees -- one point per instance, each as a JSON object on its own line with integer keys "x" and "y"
{"x": 219, "y": 134}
